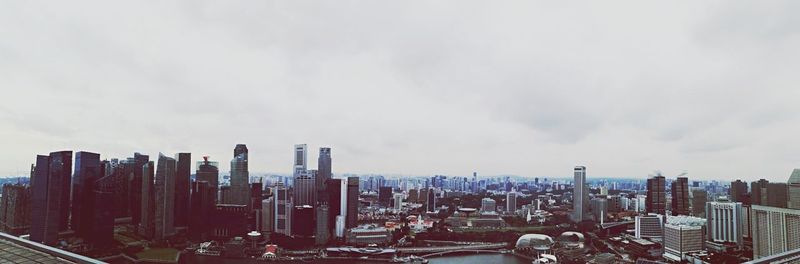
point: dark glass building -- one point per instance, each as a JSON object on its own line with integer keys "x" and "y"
{"x": 739, "y": 192}
{"x": 680, "y": 196}
{"x": 385, "y": 196}
{"x": 183, "y": 169}
{"x": 334, "y": 194}
{"x": 135, "y": 190}
{"x": 303, "y": 221}
{"x": 50, "y": 196}
{"x": 655, "y": 202}
{"x": 87, "y": 171}
{"x": 208, "y": 171}
{"x": 203, "y": 204}
{"x": 352, "y": 202}
{"x": 147, "y": 204}
{"x": 323, "y": 173}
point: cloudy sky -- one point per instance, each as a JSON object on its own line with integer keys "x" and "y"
{"x": 410, "y": 87}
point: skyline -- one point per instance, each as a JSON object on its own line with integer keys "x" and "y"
{"x": 529, "y": 89}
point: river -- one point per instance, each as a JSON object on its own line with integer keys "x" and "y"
{"x": 478, "y": 259}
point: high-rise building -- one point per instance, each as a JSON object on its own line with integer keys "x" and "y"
{"x": 203, "y": 203}
{"x": 758, "y": 192}
{"x": 699, "y": 199}
{"x": 305, "y": 191}
{"x": 794, "y": 189}
{"x": 300, "y": 159}
{"x": 413, "y": 195}
{"x": 268, "y": 215}
{"x": 488, "y": 205}
{"x": 283, "y": 210}
{"x": 431, "y": 201}
{"x": 724, "y": 222}
{"x": 681, "y": 239}
{"x": 599, "y": 209}
{"x": 739, "y": 192}
{"x": 324, "y": 173}
{"x": 256, "y": 201}
{"x": 777, "y": 195}
{"x": 87, "y": 171}
{"x": 680, "y": 196}
{"x": 774, "y": 230}
{"x": 15, "y": 209}
{"x": 650, "y": 226}
{"x": 136, "y": 166}
{"x": 303, "y": 221}
{"x": 101, "y": 224}
{"x": 322, "y": 234}
{"x": 580, "y": 195}
{"x": 397, "y": 202}
{"x": 656, "y": 196}
{"x": 511, "y": 202}
{"x": 183, "y": 169}
{"x": 352, "y": 202}
{"x": 165, "y": 197}
{"x": 384, "y": 196}
{"x": 336, "y": 201}
{"x": 340, "y": 226}
{"x": 208, "y": 171}
{"x": 240, "y": 177}
{"x": 50, "y": 196}
{"x": 147, "y": 223}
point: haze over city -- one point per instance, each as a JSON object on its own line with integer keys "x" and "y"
{"x": 526, "y": 89}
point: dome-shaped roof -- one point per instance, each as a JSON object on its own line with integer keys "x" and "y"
{"x": 535, "y": 241}
{"x": 570, "y": 236}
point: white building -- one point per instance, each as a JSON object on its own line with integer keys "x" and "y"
{"x": 650, "y": 226}
{"x": 724, "y": 222}
{"x": 775, "y": 230}
{"x": 580, "y": 195}
{"x": 398, "y": 202}
{"x": 680, "y": 239}
{"x": 339, "y": 226}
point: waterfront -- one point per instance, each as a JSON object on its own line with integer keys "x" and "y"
{"x": 478, "y": 259}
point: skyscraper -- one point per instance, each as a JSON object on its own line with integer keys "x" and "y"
{"x": 208, "y": 171}
{"x": 165, "y": 197}
{"x": 136, "y": 167}
{"x": 580, "y": 196}
{"x": 699, "y": 199}
{"x": 337, "y": 202}
{"x": 511, "y": 202}
{"x": 758, "y": 192}
{"x": 300, "y": 159}
{"x": 397, "y": 201}
{"x": 87, "y": 171}
{"x": 384, "y": 195}
{"x": 739, "y": 192}
{"x": 431, "y": 202}
{"x": 147, "y": 208}
{"x": 352, "y": 202}
{"x": 101, "y": 226}
{"x": 322, "y": 226}
{"x": 305, "y": 189}
{"x": 268, "y": 215}
{"x": 724, "y": 222}
{"x": 283, "y": 210}
{"x": 777, "y": 195}
{"x": 240, "y": 177}
{"x": 50, "y": 198}
{"x": 324, "y": 172}
{"x": 656, "y": 196}
{"x": 182, "y": 171}
{"x": 680, "y": 196}
{"x": 203, "y": 198}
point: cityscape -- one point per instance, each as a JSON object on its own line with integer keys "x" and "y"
{"x": 78, "y": 208}
{"x": 439, "y": 132}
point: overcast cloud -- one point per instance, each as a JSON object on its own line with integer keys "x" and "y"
{"x": 410, "y": 87}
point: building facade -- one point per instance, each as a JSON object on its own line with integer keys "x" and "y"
{"x": 680, "y": 196}
{"x": 775, "y": 230}
{"x": 725, "y": 222}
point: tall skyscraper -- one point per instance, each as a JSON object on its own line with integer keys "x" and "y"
{"x": 165, "y": 197}
{"x": 283, "y": 210}
{"x": 256, "y": 190}
{"x": 337, "y": 201}
{"x": 240, "y": 177}
{"x": 203, "y": 198}
{"x": 50, "y": 198}
{"x": 352, "y": 202}
{"x": 136, "y": 166}
{"x": 300, "y": 159}
{"x": 775, "y": 230}
{"x": 147, "y": 223}
{"x": 724, "y": 222}
{"x": 305, "y": 189}
{"x": 739, "y": 192}
{"x": 324, "y": 173}
{"x": 208, "y": 171}
{"x": 777, "y": 195}
{"x": 183, "y": 170}
{"x": 680, "y": 196}
{"x": 656, "y": 196}
{"x": 511, "y": 202}
{"x": 87, "y": 171}
{"x": 431, "y": 202}
{"x": 101, "y": 226}
{"x": 699, "y": 199}
{"x": 580, "y": 195}
{"x": 268, "y": 215}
